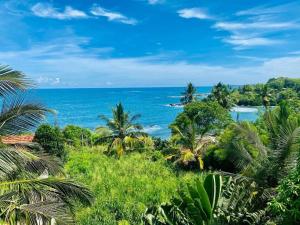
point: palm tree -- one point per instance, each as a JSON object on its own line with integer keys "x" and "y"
{"x": 221, "y": 94}
{"x": 275, "y": 160}
{"x": 33, "y": 189}
{"x": 190, "y": 137}
{"x": 265, "y": 95}
{"x": 188, "y": 94}
{"x": 124, "y": 130}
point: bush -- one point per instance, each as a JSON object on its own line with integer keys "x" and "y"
{"x": 77, "y": 136}
{"x": 209, "y": 117}
{"x": 220, "y": 155}
{"x": 123, "y": 187}
{"x": 51, "y": 140}
{"x": 286, "y": 205}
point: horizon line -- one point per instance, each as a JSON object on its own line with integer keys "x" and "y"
{"x": 52, "y": 88}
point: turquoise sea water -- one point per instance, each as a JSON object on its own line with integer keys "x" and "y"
{"x": 83, "y": 106}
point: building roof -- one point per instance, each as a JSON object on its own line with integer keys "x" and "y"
{"x": 17, "y": 139}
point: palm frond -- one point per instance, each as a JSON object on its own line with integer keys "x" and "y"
{"x": 65, "y": 189}
{"x": 12, "y": 81}
{"x": 47, "y": 210}
{"x": 134, "y": 118}
{"x": 286, "y": 154}
{"x": 17, "y": 116}
{"x": 104, "y": 118}
{"x": 10, "y": 163}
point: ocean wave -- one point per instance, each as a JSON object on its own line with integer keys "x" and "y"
{"x": 151, "y": 129}
{"x": 175, "y": 96}
{"x": 244, "y": 109}
{"x": 174, "y": 106}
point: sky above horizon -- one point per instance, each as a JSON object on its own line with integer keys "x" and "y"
{"x": 145, "y": 43}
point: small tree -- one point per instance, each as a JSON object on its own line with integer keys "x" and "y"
{"x": 188, "y": 94}
{"x": 190, "y": 127}
{"x": 77, "y": 136}
{"x": 51, "y": 140}
{"x": 221, "y": 94}
{"x": 125, "y": 131}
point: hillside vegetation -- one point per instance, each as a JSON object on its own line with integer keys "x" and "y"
{"x": 123, "y": 187}
{"x": 271, "y": 93}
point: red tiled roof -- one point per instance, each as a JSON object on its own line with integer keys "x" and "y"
{"x": 17, "y": 139}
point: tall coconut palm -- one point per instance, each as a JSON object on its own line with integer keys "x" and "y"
{"x": 33, "y": 189}
{"x": 124, "y": 129}
{"x": 188, "y": 94}
{"x": 265, "y": 95}
{"x": 221, "y": 94}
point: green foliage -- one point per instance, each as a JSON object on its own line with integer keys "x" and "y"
{"x": 125, "y": 133}
{"x": 221, "y": 94}
{"x": 284, "y": 82}
{"x": 274, "y": 91}
{"x": 209, "y": 116}
{"x": 122, "y": 187}
{"x": 189, "y": 128}
{"x": 222, "y": 155}
{"x": 33, "y": 189}
{"x": 242, "y": 203}
{"x": 51, "y": 140}
{"x": 194, "y": 205}
{"x": 188, "y": 94}
{"x": 286, "y": 205}
{"x": 77, "y": 136}
{"x": 102, "y": 132}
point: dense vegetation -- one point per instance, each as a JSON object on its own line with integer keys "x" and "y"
{"x": 123, "y": 187}
{"x": 34, "y": 189}
{"x": 270, "y": 94}
{"x": 212, "y": 170}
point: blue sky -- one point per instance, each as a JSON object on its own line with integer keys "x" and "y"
{"x": 142, "y": 43}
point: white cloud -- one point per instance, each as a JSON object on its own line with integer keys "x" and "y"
{"x": 112, "y": 16}
{"x": 246, "y": 42}
{"x": 61, "y": 66}
{"x": 261, "y": 26}
{"x": 197, "y": 13}
{"x": 294, "y": 53}
{"x": 233, "y": 26}
{"x": 153, "y": 2}
{"x": 48, "y": 81}
{"x": 48, "y": 11}
{"x": 278, "y": 9}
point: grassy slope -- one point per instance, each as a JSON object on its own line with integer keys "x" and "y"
{"x": 123, "y": 188}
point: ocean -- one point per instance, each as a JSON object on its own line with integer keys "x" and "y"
{"x": 83, "y": 106}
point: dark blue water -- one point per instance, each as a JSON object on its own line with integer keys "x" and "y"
{"x": 83, "y": 106}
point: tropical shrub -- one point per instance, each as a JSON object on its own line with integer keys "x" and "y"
{"x": 222, "y": 154}
{"x": 209, "y": 117}
{"x": 51, "y": 140}
{"x": 190, "y": 129}
{"x": 194, "y": 205}
{"x": 77, "y": 136}
{"x": 286, "y": 205}
{"x": 242, "y": 202}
